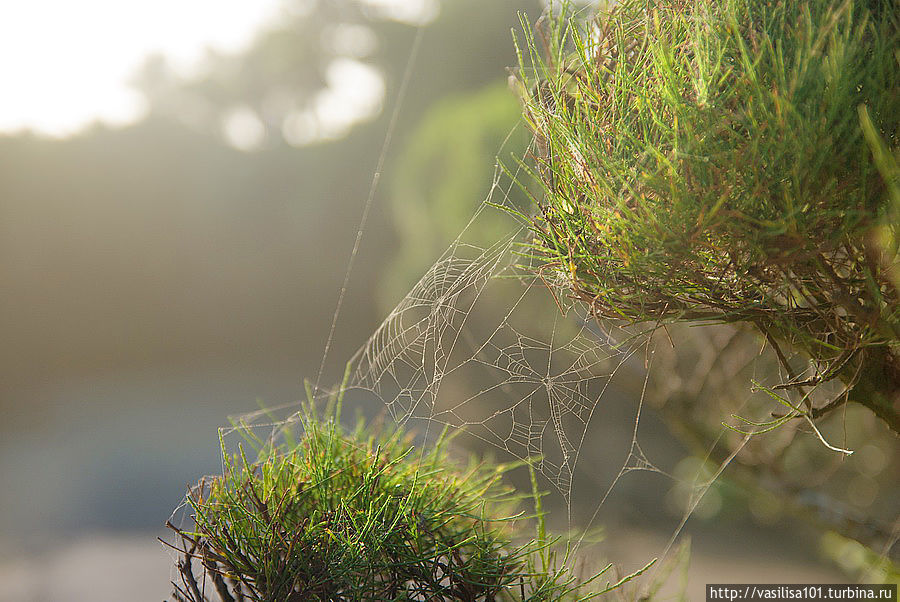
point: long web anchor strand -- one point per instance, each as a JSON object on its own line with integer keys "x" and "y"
{"x": 373, "y": 187}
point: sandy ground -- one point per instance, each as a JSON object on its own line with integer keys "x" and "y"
{"x": 722, "y": 562}
{"x": 135, "y": 567}
{"x": 96, "y": 568}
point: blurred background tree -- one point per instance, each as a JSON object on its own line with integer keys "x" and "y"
{"x": 162, "y": 275}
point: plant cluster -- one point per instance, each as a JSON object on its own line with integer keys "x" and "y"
{"x": 361, "y": 515}
{"x": 729, "y": 161}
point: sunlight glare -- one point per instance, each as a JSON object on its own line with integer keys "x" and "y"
{"x": 355, "y": 93}
{"x": 66, "y": 64}
{"x": 413, "y": 12}
{"x": 243, "y": 129}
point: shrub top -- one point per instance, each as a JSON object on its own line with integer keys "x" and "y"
{"x": 360, "y": 515}
{"x": 725, "y": 160}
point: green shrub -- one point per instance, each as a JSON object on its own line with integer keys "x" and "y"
{"x": 362, "y": 515}
{"x": 729, "y": 161}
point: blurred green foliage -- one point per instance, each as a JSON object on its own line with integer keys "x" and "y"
{"x": 444, "y": 173}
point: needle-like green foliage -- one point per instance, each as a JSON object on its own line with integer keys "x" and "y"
{"x": 362, "y": 515}
{"x": 729, "y": 161}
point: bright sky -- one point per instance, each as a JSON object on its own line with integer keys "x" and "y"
{"x": 66, "y": 63}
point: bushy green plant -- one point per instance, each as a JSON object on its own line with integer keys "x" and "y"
{"x": 363, "y": 515}
{"x": 730, "y": 161}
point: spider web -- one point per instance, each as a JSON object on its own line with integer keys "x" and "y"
{"x": 540, "y": 394}
{"x": 488, "y": 343}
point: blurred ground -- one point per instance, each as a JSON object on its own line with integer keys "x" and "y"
{"x": 121, "y": 566}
